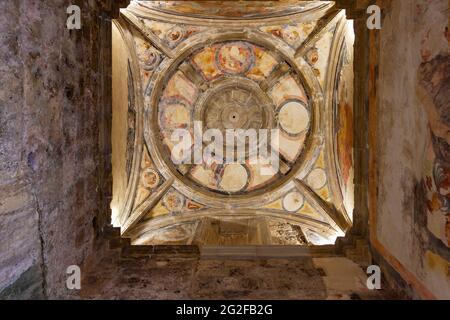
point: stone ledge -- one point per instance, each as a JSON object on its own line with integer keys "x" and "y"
{"x": 259, "y": 252}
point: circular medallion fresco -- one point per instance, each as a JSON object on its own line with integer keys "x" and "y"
{"x": 149, "y": 59}
{"x": 173, "y": 201}
{"x": 293, "y": 201}
{"x": 234, "y": 57}
{"x": 150, "y": 178}
{"x": 228, "y": 122}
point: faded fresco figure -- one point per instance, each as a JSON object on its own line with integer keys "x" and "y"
{"x": 433, "y": 90}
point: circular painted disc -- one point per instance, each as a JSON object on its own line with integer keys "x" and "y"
{"x": 150, "y": 178}
{"x": 293, "y": 201}
{"x": 293, "y": 117}
{"x": 317, "y": 179}
{"x": 173, "y": 201}
{"x": 234, "y": 178}
{"x": 235, "y": 57}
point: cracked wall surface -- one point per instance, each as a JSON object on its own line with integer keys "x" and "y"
{"x": 48, "y": 144}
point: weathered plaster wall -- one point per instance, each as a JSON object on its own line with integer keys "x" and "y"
{"x": 188, "y": 276}
{"x": 19, "y": 248}
{"x": 413, "y": 211}
{"x": 48, "y": 144}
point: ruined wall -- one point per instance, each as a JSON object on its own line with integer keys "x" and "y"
{"x": 49, "y": 157}
{"x": 413, "y": 144}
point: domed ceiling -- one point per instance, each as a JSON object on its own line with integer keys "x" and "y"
{"x": 228, "y": 10}
{"x": 277, "y": 68}
{"x": 231, "y": 72}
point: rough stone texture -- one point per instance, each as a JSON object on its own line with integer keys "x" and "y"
{"x": 27, "y": 286}
{"x": 171, "y": 277}
{"x": 18, "y": 217}
{"x": 404, "y": 140}
{"x": 48, "y": 142}
{"x": 19, "y": 248}
{"x": 183, "y": 272}
{"x": 258, "y": 279}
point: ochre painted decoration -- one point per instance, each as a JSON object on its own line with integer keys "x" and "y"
{"x": 434, "y": 94}
{"x": 150, "y": 178}
{"x": 218, "y": 10}
{"x": 294, "y": 34}
{"x": 235, "y": 57}
{"x": 173, "y": 201}
{"x": 344, "y": 124}
{"x": 287, "y": 88}
{"x": 281, "y": 73}
{"x": 264, "y": 64}
{"x": 234, "y": 100}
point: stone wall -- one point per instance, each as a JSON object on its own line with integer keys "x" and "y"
{"x": 49, "y": 144}
{"x": 181, "y": 272}
{"x": 413, "y": 145}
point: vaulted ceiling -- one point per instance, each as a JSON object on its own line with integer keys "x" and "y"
{"x": 250, "y": 65}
